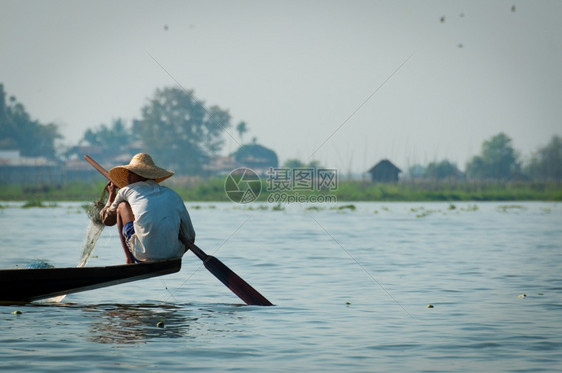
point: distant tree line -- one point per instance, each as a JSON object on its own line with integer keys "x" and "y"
{"x": 184, "y": 134}
{"x": 109, "y": 141}
{"x": 499, "y": 161}
{"x": 19, "y": 132}
{"x": 546, "y": 163}
{"x": 174, "y": 127}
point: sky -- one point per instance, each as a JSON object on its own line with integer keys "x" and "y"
{"x": 347, "y": 83}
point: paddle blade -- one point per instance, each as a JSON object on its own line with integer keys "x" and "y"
{"x": 235, "y": 283}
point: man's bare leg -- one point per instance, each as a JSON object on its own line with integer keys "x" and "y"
{"x": 125, "y": 215}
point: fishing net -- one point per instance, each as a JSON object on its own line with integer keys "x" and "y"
{"x": 94, "y": 232}
{"x": 93, "y": 210}
{"x": 95, "y": 227}
{"x": 39, "y": 263}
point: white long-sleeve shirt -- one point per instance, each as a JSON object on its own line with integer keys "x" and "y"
{"x": 160, "y": 214}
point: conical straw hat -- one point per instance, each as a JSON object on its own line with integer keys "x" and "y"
{"x": 142, "y": 165}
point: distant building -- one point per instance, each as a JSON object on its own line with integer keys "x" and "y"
{"x": 256, "y": 157}
{"x": 76, "y": 168}
{"x": 220, "y": 166}
{"x": 80, "y": 170}
{"x": 15, "y": 169}
{"x": 384, "y": 172}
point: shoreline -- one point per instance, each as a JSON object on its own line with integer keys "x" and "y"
{"x": 212, "y": 190}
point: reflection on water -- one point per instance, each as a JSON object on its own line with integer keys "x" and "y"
{"x": 138, "y": 323}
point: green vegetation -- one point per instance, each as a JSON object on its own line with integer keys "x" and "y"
{"x": 36, "y": 203}
{"x": 498, "y": 161}
{"x": 77, "y": 191}
{"x": 546, "y": 163}
{"x": 442, "y": 170}
{"x": 19, "y": 131}
{"x": 347, "y": 207}
{"x": 185, "y": 135}
{"x": 179, "y": 131}
{"x": 111, "y": 141}
{"x": 506, "y": 208}
{"x": 449, "y": 191}
{"x": 213, "y": 190}
{"x": 278, "y": 207}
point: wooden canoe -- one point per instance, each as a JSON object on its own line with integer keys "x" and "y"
{"x": 25, "y": 285}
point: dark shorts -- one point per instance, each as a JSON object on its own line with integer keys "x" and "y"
{"x": 128, "y": 231}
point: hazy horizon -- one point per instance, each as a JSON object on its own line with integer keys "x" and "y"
{"x": 344, "y": 83}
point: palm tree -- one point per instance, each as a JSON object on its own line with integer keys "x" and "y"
{"x": 242, "y": 129}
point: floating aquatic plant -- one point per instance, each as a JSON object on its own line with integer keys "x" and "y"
{"x": 30, "y": 204}
{"x": 251, "y": 208}
{"x": 259, "y": 207}
{"x": 278, "y": 207}
{"x": 199, "y": 207}
{"x": 345, "y": 207}
{"x": 470, "y": 208}
{"x": 425, "y": 213}
{"x": 314, "y": 208}
{"x": 506, "y": 208}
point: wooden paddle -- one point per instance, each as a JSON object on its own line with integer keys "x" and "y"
{"x": 234, "y": 282}
{"x": 101, "y": 170}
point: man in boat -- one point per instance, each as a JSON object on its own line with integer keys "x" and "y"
{"x": 150, "y": 217}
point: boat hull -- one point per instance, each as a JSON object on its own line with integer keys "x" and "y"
{"x": 25, "y": 285}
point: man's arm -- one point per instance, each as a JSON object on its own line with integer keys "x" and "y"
{"x": 107, "y": 214}
{"x": 186, "y": 227}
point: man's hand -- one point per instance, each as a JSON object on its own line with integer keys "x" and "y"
{"x": 110, "y": 187}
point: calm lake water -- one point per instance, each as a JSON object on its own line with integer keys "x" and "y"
{"x": 351, "y": 288}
